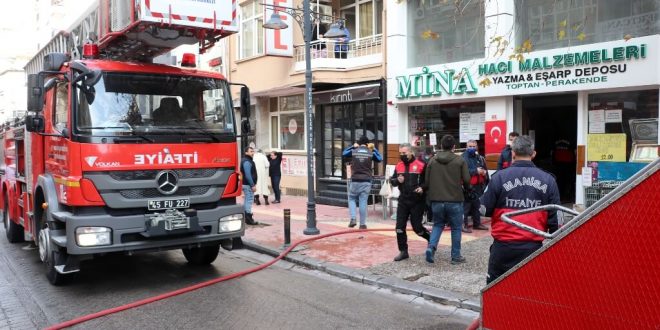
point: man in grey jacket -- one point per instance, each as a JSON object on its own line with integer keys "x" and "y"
{"x": 446, "y": 176}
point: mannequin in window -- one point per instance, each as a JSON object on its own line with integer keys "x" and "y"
{"x": 318, "y": 45}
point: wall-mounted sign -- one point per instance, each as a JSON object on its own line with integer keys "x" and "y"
{"x": 279, "y": 42}
{"x": 612, "y": 64}
{"x": 349, "y": 94}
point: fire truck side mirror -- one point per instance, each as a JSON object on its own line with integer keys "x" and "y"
{"x": 35, "y": 90}
{"x": 34, "y": 124}
{"x": 245, "y": 102}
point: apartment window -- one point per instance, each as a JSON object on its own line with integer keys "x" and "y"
{"x": 287, "y": 122}
{"x": 251, "y": 35}
{"x": 364, "y": 18}
{"x": 441, "y": 31}
{"x": 562, "y": 23}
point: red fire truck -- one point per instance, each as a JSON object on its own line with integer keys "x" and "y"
{"x": 118, "y": 154}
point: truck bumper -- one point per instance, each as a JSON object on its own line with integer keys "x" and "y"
{"x": 134, "y": 233}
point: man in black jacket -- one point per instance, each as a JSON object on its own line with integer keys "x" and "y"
{"x": 409, "y": 176}
{"x": 275, "y": 173}
{"x": 478, "y": 180}
{"x": 505, "y": 156}
{"x": 362, "y": 159}
{"x": 249, "y": 174}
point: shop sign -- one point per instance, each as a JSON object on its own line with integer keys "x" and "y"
{"x": 564, "y": 69}
{"x": 279, "y": 42}
{"x": 352, "y": 94}
{"x": 294, "y": 165}
{"x": 435, "y": 83}
{"x": 611, "y": 64}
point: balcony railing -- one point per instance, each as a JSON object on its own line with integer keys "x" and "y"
{"x": 330, "y": 53}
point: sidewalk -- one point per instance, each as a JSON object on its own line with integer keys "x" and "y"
{"x": 367, "y": 256}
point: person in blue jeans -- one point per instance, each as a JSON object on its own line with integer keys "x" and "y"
{"x": 445, "y": 178}
{"x": 362, "y": 158}
{"x": 249, "y": 174}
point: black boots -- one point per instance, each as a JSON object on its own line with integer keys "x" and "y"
{"x": 402, "y": 255}
{"x": 249, "y": 220}
{"x": 266, "y": 200}
{"x": 256, "y": 200}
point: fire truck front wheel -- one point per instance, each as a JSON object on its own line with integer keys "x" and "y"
{"x": 14, "y": 231}
{"x": 201, "y": 255}
{"x": 50, "y": 256}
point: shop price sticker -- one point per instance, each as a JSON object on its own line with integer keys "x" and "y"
{"x": 606, "y": 147}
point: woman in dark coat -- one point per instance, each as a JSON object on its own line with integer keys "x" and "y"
{"x": 275, "y": 172}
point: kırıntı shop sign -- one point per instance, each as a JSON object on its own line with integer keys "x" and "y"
{"x": 596, "y": 66}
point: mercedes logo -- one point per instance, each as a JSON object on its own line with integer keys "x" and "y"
{"x": 167, "y": 182}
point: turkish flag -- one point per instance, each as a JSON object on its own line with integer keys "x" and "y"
{"x": 496, "y": 137}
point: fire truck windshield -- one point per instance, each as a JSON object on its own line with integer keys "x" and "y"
{"x": 121, "y": 104}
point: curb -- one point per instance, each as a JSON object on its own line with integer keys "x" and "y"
{"x": 387, "y": 282}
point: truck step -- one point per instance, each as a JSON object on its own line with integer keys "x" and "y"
{"x": 59, "y": 240}
{"x": 62, "y": 269}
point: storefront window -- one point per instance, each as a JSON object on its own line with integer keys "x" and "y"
{"x": 464, "y": 121}
{"x": 562, "y": 23}
{"x": 441, "y": 31}
{"x": 622, "y": 138}
{"x": 287, "y": 126}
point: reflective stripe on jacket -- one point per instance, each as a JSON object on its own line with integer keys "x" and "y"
{"x": 521, "y": 186}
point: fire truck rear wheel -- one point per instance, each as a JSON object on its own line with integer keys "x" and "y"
{"x": 48, "y": 254}
{"x": 14, "y": 232}
{"x": 202, "y": 255}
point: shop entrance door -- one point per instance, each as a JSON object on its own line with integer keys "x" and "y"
{"x": 343, "y": 124}
{"x": 551, "y": 120}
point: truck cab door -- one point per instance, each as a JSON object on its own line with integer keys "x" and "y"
{"x": 58, "y": 125}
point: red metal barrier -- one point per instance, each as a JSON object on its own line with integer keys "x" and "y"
{"x": 602, "y": 274}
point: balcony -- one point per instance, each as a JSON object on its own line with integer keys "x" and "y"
{"x": 361, "y": 53}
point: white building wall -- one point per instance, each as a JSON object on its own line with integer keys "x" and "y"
{"x": 397, "y": 58}
{"x": 12, "y": 94}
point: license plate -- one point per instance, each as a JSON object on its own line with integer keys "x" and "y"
{"x": 165, "y": 204}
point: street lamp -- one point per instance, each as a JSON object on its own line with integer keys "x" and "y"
{"x": 303, "y": 18}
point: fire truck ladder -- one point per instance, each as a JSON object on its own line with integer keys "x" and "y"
{"x": 600, "y": 270}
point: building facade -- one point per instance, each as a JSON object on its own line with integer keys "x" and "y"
{"x": 581, "y": 78}
{"x": 348, "y": 85}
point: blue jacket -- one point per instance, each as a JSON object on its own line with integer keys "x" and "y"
{"x": 342, "y": 44}
{"x": 521, "y": 186}
{"x": 361, "y": 161}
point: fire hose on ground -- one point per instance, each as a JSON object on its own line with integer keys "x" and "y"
{"x": 194, "y": 287}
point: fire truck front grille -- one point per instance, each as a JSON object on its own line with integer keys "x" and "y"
{"x": 151, "y": 174}
{"x": 153, "y": 193}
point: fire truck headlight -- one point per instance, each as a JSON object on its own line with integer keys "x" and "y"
{"x": 229, "y": 223}
{"x": 93, "y": 236}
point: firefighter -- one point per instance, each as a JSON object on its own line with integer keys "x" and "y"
{"x": 409, "y": 176}
{"x": 505, "y": 156}
{"x": 478, "y": 180}
{"x": 520, "y": 186}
